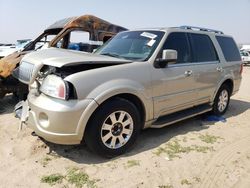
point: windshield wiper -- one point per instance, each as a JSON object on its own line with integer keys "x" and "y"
{"x": 111, "y": 54}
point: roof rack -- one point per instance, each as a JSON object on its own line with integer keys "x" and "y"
{"x": 200, "y": 29}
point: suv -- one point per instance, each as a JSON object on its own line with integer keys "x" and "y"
{"x": 139, "y": 79}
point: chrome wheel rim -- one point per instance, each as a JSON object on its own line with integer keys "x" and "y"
{"x": 117, "y": 129}
{"x": 223, "y": 100}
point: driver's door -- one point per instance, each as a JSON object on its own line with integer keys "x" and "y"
{"x": 174, "y": 86}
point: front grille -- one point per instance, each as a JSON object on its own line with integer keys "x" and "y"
{"x": 24, "y": 72}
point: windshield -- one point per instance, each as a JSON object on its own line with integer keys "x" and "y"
{"x": 132, "y": 45}
{"x": 43, "y": 40}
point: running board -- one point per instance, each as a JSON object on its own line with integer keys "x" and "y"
{"x": 181, "y": 115}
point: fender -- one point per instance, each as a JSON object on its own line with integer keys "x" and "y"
{"x": 110, "y": 89}
{"x": 227, "y": 77}
{"x": 85, "y": 118}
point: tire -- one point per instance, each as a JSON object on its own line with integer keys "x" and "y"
{"x": 2, "y": 94}
{"x": 19, "y": 96}
{"x": 113, "y": 128}
{"x": 221, "y": 100}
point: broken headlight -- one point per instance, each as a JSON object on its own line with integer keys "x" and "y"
{"x": 56, "y": 87}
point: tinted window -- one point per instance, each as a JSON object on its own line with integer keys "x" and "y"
{"x": 203, "y": 48}
{"x": 229, "y": 48}
{"x": 179, "y": 42}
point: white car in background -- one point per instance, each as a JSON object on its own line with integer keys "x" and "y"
{"x": 245, "y": 56}
{"x": 7, "y": 50}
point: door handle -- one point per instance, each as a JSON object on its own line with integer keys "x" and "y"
{"x": 188, "y": 73}
{"x": 219, "y": 69}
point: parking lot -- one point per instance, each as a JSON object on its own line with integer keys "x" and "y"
{"x": 192, "y": 153}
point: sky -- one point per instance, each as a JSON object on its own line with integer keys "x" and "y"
{"x": 26, "y": 19}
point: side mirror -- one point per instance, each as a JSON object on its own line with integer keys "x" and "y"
{"x": 168, "y": 57}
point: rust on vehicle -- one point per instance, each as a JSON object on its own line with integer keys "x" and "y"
{"x": 8, "y": 63}
{"x": 99, "y": 30}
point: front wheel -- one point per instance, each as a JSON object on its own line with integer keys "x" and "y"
{"x": 221, "y": 101}
{"x": 113, "y": 128}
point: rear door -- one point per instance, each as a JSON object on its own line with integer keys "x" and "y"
{"x": 208, "y": 68}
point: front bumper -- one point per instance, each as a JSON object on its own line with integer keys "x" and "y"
{"x": 56, "y": 120}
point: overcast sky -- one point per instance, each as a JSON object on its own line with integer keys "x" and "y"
{"x": 23, "y": 19}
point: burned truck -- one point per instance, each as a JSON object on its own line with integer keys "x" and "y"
{"x": 84, "y": 33}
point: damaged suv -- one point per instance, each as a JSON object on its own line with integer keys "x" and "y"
{"x": 83, "y": 33}
{"x": 139, "y": 79}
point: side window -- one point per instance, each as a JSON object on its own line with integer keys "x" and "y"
{"x": 179, "y": 42}
{"x": 229, "y": 48}
{"x": 203, "y": 48}
{"x": 79, "y": 40}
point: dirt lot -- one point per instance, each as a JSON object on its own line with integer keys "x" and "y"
{"x": 193, "y": 153}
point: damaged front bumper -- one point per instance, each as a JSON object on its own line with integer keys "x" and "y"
{"x": 55, "y": 120}
{"x": 21, "y": 111}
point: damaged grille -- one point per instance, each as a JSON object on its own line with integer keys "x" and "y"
{"x": 24, "y": 72}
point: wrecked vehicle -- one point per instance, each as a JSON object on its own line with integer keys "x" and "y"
{"x": 83, "y": 33}
{"x": 139, "y": 79}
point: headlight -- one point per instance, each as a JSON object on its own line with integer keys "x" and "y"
{"x": 55, "y": 86}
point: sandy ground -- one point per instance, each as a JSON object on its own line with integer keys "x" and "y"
{"x": 192, "y": 153}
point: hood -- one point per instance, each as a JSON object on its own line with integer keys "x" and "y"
{"x": 61, "y": 57}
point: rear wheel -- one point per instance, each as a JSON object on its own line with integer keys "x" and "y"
{"x": 222, "y": 100}
{"x": 113, "y": 128}
{"x": 2, "y": 94}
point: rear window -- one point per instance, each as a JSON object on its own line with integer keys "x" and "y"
{"x": 229, "y": 48}
{"x": 203, "y": 48}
